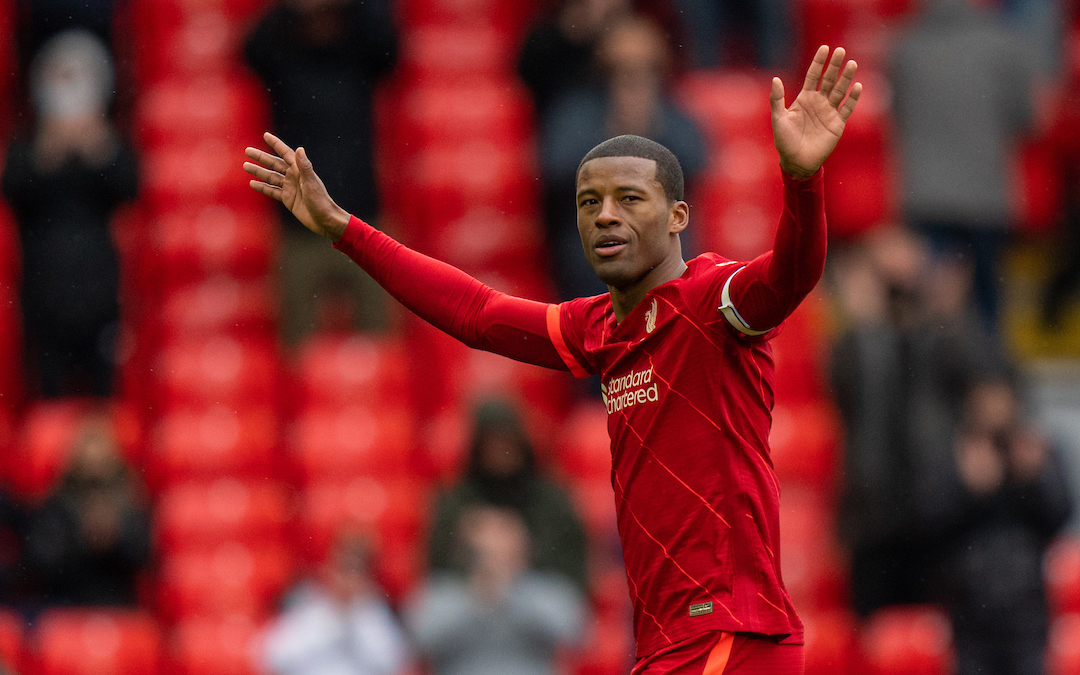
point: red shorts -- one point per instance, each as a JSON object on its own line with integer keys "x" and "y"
{"x": 717, "y": 652}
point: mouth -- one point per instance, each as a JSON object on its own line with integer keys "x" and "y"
{"x": 606, "y": 247}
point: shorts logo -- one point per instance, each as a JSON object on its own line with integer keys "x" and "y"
{"x": 650, "y": 318}
{"x": 701, "y": 608}
{"x": 629, "y": 390}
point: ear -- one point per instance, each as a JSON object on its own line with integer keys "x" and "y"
{"x": 678, "y": 217}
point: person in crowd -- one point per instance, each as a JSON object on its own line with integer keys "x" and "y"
{"x": 90, "y": 539}
{"x": 338, "y": 622}
{"x": 501, "y": 616}
{"x": 899, "y": 369}
{"x": 736, "y": 32}
{"x": 955, "y": 156}
{"x": 321, "y": 61}
{"x": 558, "y": 54}
{"x": 63, "y": 182}
{"x": 992, "y": 509}
{"x": 634, "y": 58}
{"x": 502, "y": 472}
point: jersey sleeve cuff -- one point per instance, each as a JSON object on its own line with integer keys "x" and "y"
{"x": 555, "y": 334}
{"x": 353, "y": 236}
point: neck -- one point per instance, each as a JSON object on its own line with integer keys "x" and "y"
{"x": 626, "y": 298}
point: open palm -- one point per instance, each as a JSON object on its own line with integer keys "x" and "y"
{"x": 806, "y": 132}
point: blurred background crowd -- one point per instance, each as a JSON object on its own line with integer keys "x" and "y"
{"x": 223, "y": 449}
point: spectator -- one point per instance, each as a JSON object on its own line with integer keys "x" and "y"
{"x": 502, "y": 473}
{"x": 320, "y": 60}
{"x": 898, "y": 371}
{"x": 742, "y": 32}
{"x": 962, "y": 89}
{"x": 43, "y": 19}
{"x": 501, "y": 617}
{"x": 90, "y": 538}
{"x": 994, "y": 509}
{"x": 635, "y": 60}
{"x": 338, "y": 623}
{"x": 63, "y": 183}
{"x": 557, "y": 54}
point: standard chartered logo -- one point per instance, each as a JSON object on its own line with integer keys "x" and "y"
{"x": 629, "y": 390}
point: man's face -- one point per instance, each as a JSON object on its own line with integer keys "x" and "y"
{"x": 627, "y": 226}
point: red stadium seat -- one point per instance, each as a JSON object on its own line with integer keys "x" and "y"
{"x": 831, "y": 643}
{"x": 11, "y": 348}
{"x": 353, "y": 441}
{"x": 342, "y": 371}
{"x": 395, "y": 512}
{"x": 1063, "y": 575}
{"x": 509, "y": 17}
{"x": 220, "y": 306}
{"x": 815, "y": 571}
{"x": 227, "y": 579}
{"x": 207, "y": 443}
{"x": 1063, "y": 646}
{"x": 190, "y": 174}
{"x": 729, "y": 105}
{"x": 441, "y": 112}
{"x": 804, "y": 443}
{"x": 582, "y": 447}
{"x": 799, "y": 353}
{"x": 216, "y": 107}
{"x": 908, "y": 640}
{"x": 193, "y": 245}
{"x": 438, "y": 53}
{"x": 204, "y": 514}
{"x": 214, "y": 646}
{"x": 202, "y": 372}
{"x": 97, "y": 642}
{"x": 12, "y": 641}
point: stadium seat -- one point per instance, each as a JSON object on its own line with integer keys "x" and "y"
{"x": 394, "y": 512}
{"x": 1063, "y": 575}
{"x": 221, "y": 370}
{"x": 800, "y": 351}
{"x": 351, "y": 441}
{"x": 207, "y": 443}
{"x": 804, "y": 443}
{"x": 230, "y": 578}
{"x": 204, "y": 514}
{"x": 729, "y": 105}
{"x": 209, "y": 106}
{"x": 219, "y": 306}
{"x": 214, "y": 646}
{"x": 191, "y": 245}
{"x": 508, "y": 17}
{"x": 12, "y": 641}
{"x": 341, "y": 371}
{"x": 438, "y": 53}
{"x": 1063, "y": 646}
{"x": 908, "y": 640}
{"x": 814, "y": 568}
{"x": 97, "y": 642}
{"x": 582, "y": 446}
{"x": 831, "y": 643}
{"x": 441, "y": 112}
{"x": 11, "y": 348}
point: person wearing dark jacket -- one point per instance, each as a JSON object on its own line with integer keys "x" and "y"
{"x": 502, "y": 473}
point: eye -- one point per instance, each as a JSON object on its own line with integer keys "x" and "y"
{"x": 587, "y": 202}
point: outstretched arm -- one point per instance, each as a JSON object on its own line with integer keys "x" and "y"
{"x": 441, "y": 294}
{"x": 769, "y": 288}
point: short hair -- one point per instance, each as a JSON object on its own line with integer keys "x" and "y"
{"x": 669, "y": 172}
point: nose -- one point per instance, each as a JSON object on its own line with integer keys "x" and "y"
{"x": 609, "y": 215}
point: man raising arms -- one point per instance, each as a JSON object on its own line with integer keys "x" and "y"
{"x": 686, "y": 371}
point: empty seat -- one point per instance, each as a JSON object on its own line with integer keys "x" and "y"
{"x": 230, "y": 578}
{"x": 729, "y": 104}
{"x": 908, "y": 640}
{"x": 190, "y": 173}
{"x": 1063, "y": 575}
{"x": 1063, "y": 646}
{"x": 582, "y": 447}
{"x": 211, "y": 443}
{"x": 221, "y": 370}
{"x": 205, "y": 514}
{"x": 97, "y": 642}
{"x": 214, "y": 646}
{"x": 209, "y": 106}
{"x": 342, "y": 371}
{"x": 814, "y": 568}
{"x": 436, "y": 53}
{"x": 219, "y": 306}
{"x": 194, "y": 244}
{"x": 804, "y": 443}
{"x": 831, "y": 643}
{"x": 353, "y": 441}
{"x": 12, "y": 641}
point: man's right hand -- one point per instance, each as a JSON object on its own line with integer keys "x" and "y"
{"x": 289, "y": 178}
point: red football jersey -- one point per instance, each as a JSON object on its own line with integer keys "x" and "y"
{"x": 689, "y": 404}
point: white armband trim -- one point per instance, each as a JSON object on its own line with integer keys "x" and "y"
{"x": 732, "y": 314}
